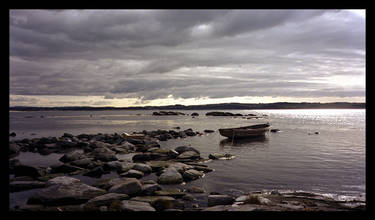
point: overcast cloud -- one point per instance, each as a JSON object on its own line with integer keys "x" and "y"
{"x": 146, "y": 55}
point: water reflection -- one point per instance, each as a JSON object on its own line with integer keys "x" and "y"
{"x": 243, "y": 141}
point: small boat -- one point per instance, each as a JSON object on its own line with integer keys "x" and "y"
{"x": 133, "y": 136}
{"x": 245, "y": 132}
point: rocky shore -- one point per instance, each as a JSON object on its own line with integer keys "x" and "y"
{"x": 153, "y": 179}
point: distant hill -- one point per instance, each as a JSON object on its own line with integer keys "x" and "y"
{"x": 223, "y": 106}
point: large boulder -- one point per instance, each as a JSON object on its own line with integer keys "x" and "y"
{"x": 65, "y": 194}
{"x": 170, "y": 176}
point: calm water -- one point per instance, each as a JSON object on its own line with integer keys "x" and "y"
{"x": 332, "y": 161}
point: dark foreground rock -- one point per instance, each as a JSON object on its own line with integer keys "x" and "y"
{"x": 65, "y": 194}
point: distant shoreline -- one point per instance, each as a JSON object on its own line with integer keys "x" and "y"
{"x": 222, "y": 106}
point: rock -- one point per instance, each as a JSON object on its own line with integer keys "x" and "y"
{"x": 63, "y": 180}
{"x": 68, "y": 135}
{"x": 107, "y": 183}
{"x": 170, "y": 176}
{"x": 96, "y": 172}
{"x": 182, "y": 134}
{"x": 64, "y": 168}
{"x": 189, "y": 155}
{"x": 113, "y": 165}
{"x": 182, "y": 149}
{"x": 150, "y": 189}
{"x": 25, "y": 170}
{"x": 14, "y": 149}
{"x": 72, "y": 156}
{"x": 148, "y": 156}
{"x": 107, "y": 199}
{"x": 133, "y": 173}
{"x": 142, "y": 167}
{"x": 208, "y": 131}
{"x": 175, "y": 193}
{"x": 13, "y": 163}
{"x": 221, "y": 114}
{"x": 216, "y": 156}
{"x": 129, "y": 205}
{"x": 202, "y": 168}
{"x": 83, "y": 163}
{"x": 274, "y": 130}
{"x": 217, "y": 208}
{"x": 163, "y": 113}
{"x": 105, "y": 157}
{"x": 65, "y": 194}
{"x": 17, "y": 186}
{"x": 158, "y": 202}
{"x": 180, "y": 167}
{"x": 190, "y": 132}
{"x": 214, "y": 200}
{"x": 12, "y": 134}
{"x": 192, "y": 174}
{"x": 194, "y": 114}
{"x": 195, "y": 189}
{"x": 158, "y": 165}
{"x": 130, "y": 186}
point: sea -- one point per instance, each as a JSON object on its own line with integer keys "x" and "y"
{"x": 316, "y": 150}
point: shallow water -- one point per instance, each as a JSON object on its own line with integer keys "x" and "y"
{"x": 331, "y": 162}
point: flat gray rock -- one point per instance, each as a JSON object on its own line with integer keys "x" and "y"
{"x": 107, "y": 199}
{"x": 65, "y": 194}
{"x": 129, "y": 205}
{"x": 129, "y": 186}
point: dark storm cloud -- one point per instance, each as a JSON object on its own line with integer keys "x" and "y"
{"x": 185, "y": 53}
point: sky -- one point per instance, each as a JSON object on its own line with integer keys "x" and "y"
{"x": 133, "y": 57}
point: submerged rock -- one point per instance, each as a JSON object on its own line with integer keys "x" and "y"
{"x": 216, "y": 156}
